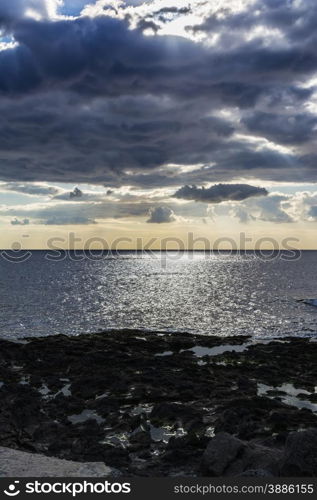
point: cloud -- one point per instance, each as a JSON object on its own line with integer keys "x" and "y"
{"x": 219, "y": 193}
{"x": 161, "y": 215}
{"x": 86, "y": 212}
{"x": 271, "y": 209}
{"x": 67, "y": 219}
{"x": 14, "y": 11}
{"x": 17, "y": 222}
{"x": 76, "y": 193}
{"x": 91, "y": 212}
{"x": 242, "y": 214}
{"x": 274, "y": 208}
{"x": 30, "y": 189}
{"x": 313, "y": 212}
{"x": 92, "y": 99}
{"x": 294, "y": 129}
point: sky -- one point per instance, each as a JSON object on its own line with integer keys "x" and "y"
{"x": 131, "y": 122}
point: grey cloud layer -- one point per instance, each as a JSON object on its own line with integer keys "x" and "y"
{"x": 30, "y": 189}
{"x": 220, "y": 192}
{"x": 90, "y": 100}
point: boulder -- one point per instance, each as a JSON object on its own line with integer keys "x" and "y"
{"x": 300, "y": 456}
{"x": 255, "y": 457}
{"x": 221, "y": 451}
{"x": 227, "y": 455}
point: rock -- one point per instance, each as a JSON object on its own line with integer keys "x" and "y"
{"x": 255, "y": 457}
{"x": 140, "y": 439}
{"x": 167, "y": 412}
{"x": 255, "y": 473}
{"x": 140, "y": 392}
{"x": 226, "y": 455}
{"x": 221, "y": 451}
{"x": 14, "y": 463}
{"x": 246, "y": 384}
{"x": 300, "y": 457}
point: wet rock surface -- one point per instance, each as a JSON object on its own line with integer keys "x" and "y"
{"x": 157, "y": 404}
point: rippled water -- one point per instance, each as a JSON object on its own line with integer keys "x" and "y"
{"x": 215, "y": 294}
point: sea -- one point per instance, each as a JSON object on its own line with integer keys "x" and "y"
{"x": 208, "y": 293}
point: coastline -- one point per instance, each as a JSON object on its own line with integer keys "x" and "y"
{"x": 163, "y": 404}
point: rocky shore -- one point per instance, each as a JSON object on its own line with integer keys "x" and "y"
{"x": 158, "y": 404}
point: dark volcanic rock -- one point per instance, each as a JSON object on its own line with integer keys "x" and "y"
{"x": 119, "y": 398}
{"x": 226, "y": 455}
{"x": 300, "y": 458}
{"x": 221, "y": 451}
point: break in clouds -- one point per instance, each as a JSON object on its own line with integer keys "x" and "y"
{"x": 165, "y": 105}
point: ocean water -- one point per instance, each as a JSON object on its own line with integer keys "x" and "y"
{"x": 212, "y": 294}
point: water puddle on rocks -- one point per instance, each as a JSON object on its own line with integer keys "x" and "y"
{"x": 165, "y": 353}
{"x": 161, "y": 434}
{"x": 157, "y": 434}
{"x": 102, "y": 396}
{"x": 117, "y": 439}
{"x": 290, "y": 396}
{"x": 25, "y": 381}
{"x": 65, "y": 391}
{"x": 164, "y": 434}
{"x": 210, "y": 432}
{"x": 138, "y": 410}
{"x": 45, "y": 391}
{"x": 84, "y": 416}
{"x": 200, "y": 351}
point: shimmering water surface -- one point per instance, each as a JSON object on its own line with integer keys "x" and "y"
{"x": 214, "y": 294}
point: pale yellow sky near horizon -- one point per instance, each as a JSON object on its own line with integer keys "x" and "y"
{"x": 129, "y": 234}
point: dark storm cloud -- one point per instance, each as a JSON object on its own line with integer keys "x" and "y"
{"x": 285, "y": 129}
{"x": 98, "y": 56}
{"x": 160, "y": 215}
{"x": 90, "y": 100}
{"x": 101, "y": 56}
{"x": 59, "y": 137}
{"x": 219, "y": 193}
